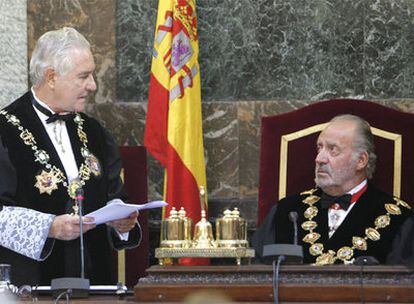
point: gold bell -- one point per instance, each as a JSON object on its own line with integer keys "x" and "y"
{"x": 203, "y": 233}
{"x": 231, "y": 230}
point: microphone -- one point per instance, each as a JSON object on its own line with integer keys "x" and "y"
{"x": 293, "y": 217}
{"x": 74, "y": 287}
{"x": 366, "y": 261}
{"x": 293, "y": 253}
{"x": 79, "y": 201}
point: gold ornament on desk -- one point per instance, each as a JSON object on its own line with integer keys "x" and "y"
{"x": 231, "y": 230}
{"x": 176, "y": 230}
{"x": 203, "y": 231}
{"x": 176, "y": 236}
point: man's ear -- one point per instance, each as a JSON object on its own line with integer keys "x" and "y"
{"x": 50, "y": 78}
{"x": 363, "y": 160}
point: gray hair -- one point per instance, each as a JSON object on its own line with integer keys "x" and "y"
{"x": 364, "y": 140}
{"x": 53, "y": 50}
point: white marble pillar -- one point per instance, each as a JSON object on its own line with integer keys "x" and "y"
{"x": 13, "y": 50}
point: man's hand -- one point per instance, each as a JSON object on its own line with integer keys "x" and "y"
{"x": 125, "y": 224}
{"x": 66, "y": 227}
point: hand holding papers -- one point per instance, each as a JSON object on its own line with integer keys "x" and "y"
{"x": 116, "y": 209}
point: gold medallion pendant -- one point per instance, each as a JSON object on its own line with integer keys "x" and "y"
{"x": 93, "y": 163}
{"x": 73, "y": 187}
{"x": 47, "y": 181}
{"x": 50, "y": 177}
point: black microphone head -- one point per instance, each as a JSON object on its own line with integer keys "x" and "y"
{"x": 293, "y": 216}
{"x": 366, "y": 260}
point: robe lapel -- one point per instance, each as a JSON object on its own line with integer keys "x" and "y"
{"x": 323, "y": 226}
{"x": 31, "y": 121}
{"x": 358, "y": 219}
{"x": 72, "y": 128}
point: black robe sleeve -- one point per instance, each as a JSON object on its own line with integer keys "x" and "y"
{"x": 8, "y": 178}
{"x": 116, "y": 189}
{"x": 8, "y": 186}
{"x": 403, "y": 245}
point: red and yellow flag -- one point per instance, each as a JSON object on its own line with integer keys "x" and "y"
{"x": 173, "y": 132}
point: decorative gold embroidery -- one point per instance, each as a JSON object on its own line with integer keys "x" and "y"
{"x": 372, "y": 234}
{"x": 308, "y": 192}
{"x": 359, "y": 243}
{"x": 393, "y": 209}
{"x": 42, "y": 157}
{"x": 345, "y": 253}
{"x": 47, "y": 181}
{"x": 310, "y": 200}
{"x": 311, "y": 212}
{"x": 311, "y": 237}
{"x": 316, "y": 249}
{"x": 402, "y": 203}
{"x": 73, "y": 186}
{"x": 49, "y": 178}
{"x": 309, "y": 225}
{"x": 93, "y": 164}
{"x": 28, "y": 138}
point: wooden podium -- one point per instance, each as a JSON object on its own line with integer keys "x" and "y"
{"x": 298, "y": 283}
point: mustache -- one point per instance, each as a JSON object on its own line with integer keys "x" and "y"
{"x": 325, "y": 168}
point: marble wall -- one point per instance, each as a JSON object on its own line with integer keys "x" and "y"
{"x": 266, "y": 57}
{"x": 95, "y": 19}
{"x": 257, "y": 58}
{"x": 13, "y": 50}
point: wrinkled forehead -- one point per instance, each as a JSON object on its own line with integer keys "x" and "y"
{"x": 339, "y": 132}
{"x": 82, "y": 59}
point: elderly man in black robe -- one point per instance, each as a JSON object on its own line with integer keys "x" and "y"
{"x": 48, "y": 150}
{"x": 345, "y": 216}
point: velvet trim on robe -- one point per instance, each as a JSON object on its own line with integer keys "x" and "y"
{"x": 396, "y": 245}
{"x": 17, "y": 178}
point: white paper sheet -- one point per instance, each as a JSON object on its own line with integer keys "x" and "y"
{"x": 116, "y": 209}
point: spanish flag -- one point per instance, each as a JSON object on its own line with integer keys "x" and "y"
{"x": 173, "y": 132}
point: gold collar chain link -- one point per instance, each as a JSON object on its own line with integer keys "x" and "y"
{"x": 345, "y": 253}
{"x": 48, "y": 179}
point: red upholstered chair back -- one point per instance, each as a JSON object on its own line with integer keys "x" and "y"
{"x": 131, "y": 264}
{"x": 288, "y": 149}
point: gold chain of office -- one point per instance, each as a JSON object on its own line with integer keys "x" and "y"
{"x": 345, "y": 253}
{"x": 49, "y": 178}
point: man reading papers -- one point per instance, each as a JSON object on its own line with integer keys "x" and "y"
{"x": 48, "y": 150}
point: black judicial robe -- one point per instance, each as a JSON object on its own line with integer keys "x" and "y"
{"x": 396, "y": 245}
{"x": 17, "y": 178}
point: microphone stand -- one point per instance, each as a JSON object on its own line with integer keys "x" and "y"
{"x": 79, "y": 201}
{"x": 288, "y": 253}
{"x": 74, "y": 287}
{"x": 293, "y": 252}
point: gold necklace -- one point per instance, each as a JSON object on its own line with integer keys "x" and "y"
{"x": 50, "y": 177}
{"x": 345, "y": 253}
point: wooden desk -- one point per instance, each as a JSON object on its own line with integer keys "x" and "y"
{"x": 93, "y": 299}
{"x": 298, "y": 283}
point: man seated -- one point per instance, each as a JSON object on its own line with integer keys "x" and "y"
{"x": 345, "y": 216}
